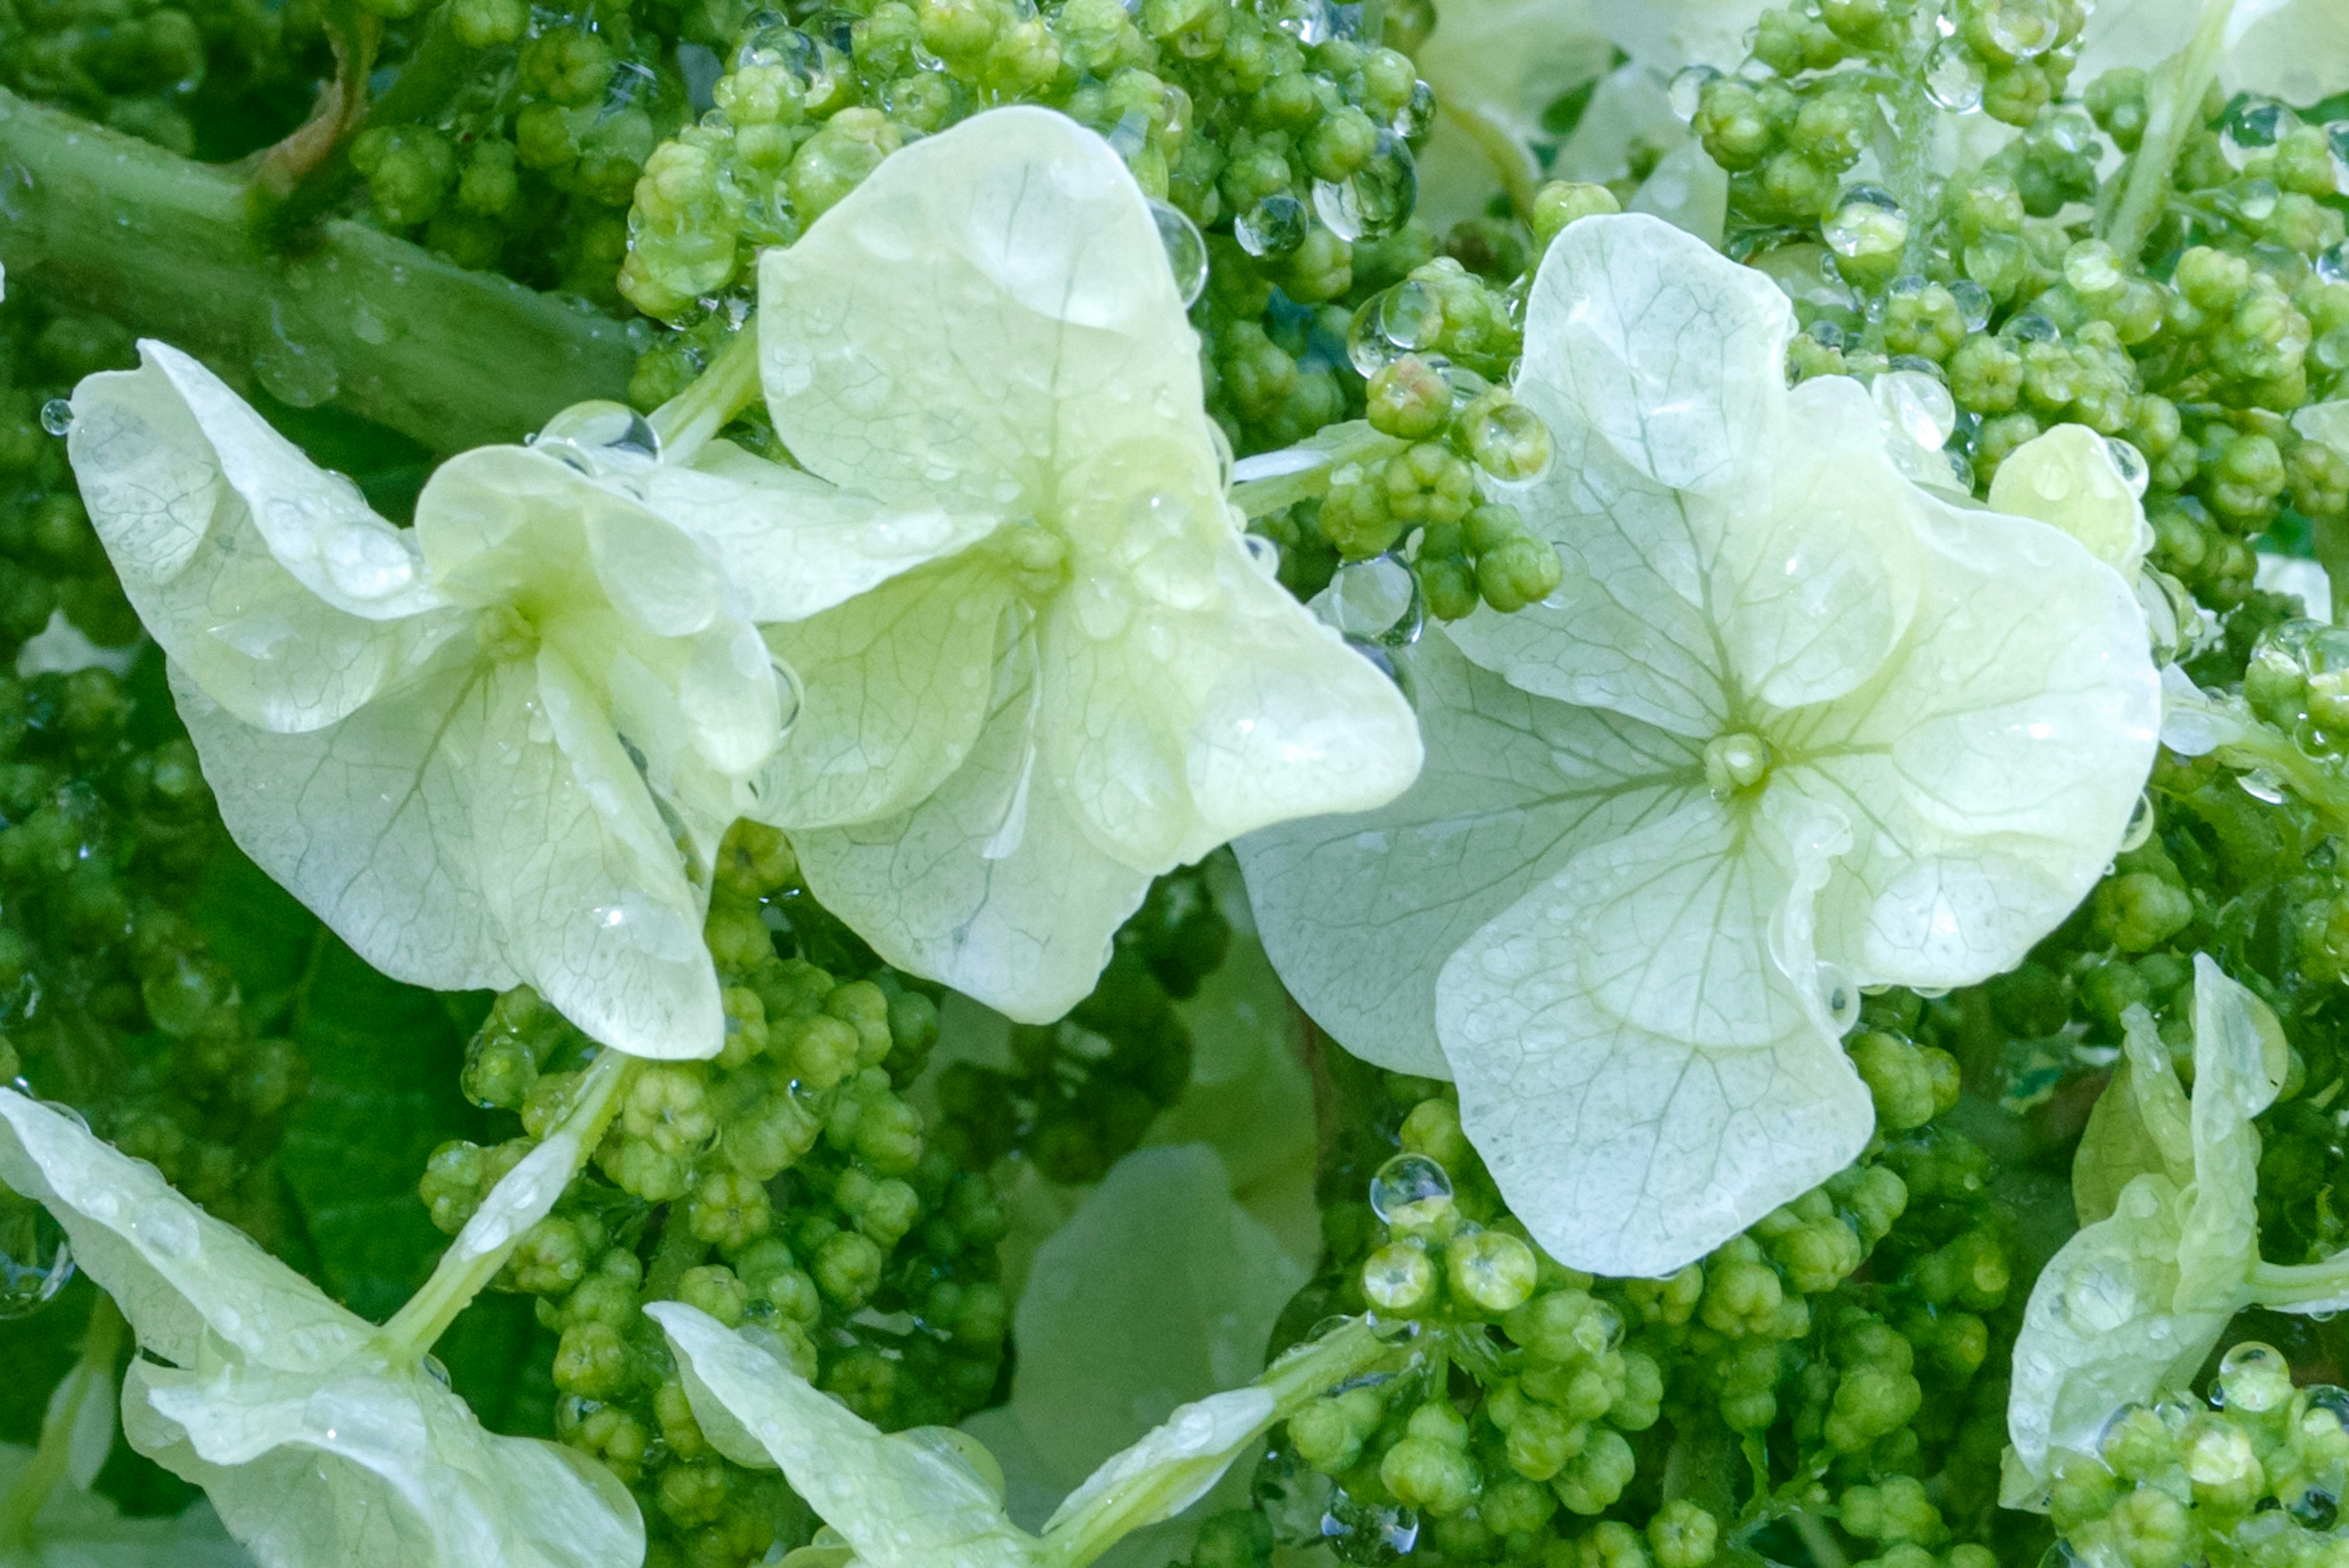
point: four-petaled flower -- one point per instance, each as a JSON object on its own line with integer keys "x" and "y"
{"x": 1791, "y": 726}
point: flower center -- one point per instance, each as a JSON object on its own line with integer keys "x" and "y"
{"x": 1037, "y": 558}
{"x": 1735, "y": 764}
{"x": 506, "y": 634}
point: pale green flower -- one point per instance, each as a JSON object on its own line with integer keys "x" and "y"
{"x": 932, "y": 1498}
{"x": 499, "y": 747}
{"x": 1790, "y": 726}
{"x": 2070, "y": 479}
{"x": 2295, "y": 50}
{"x": 999, "y": 750}
{"x": 2131, "y": 1305}
{"x": 320, "y": 1438}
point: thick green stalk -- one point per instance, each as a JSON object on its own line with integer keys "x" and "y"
{"x": 2302, "y": 1287}
{"x": 730, "y": 384}
{"x": 2173, "y": 109}
{"x": 98, "y": 222}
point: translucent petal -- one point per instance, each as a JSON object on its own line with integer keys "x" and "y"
{"x": 793, "y": 546}
{"x": 369, "y": 821}
{"x": 901, "y": 1504}
{"x": 987, "y": 325}
{"x": 266, "y": 577}
{"x": 1630, "y": 1152}
{"x": 2068, "y": 479}
{"x": 1991, "y": 767}
{"x": 581, "y": 875}
{"x": 895, "y": 686}
{"x": 1187, "y": 700}
{"x": 1665, "y": 35}
{"x": 81, "y": 1529}
{"x": 2141, "y": 1125}
{"x": 2237, "y": 1073}
{"x": 990, "y": 883}
{"x": 1360, "y": 912}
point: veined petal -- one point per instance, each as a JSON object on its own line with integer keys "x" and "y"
{"x": 793, "y": 544}
{"x": 1630, "y": 1152}
{"x": 902, "y": 1504}
{"x": 369, "y": 821}
{"x": 179, "y": 1276}
{"x": 1359, "y": 912}
{"x": 2236, "y": 1077}
{"x": 990, "y": 883}
{"x": 268, "y": 578}
{"x": 1991, "y": 768}
{"x": 988, "y": 324}
{"x": 1190, "y": 701}
{"x": 583, "y": 879}
{"x": 374, "y": 1466}
{"x": 894, "y": 686}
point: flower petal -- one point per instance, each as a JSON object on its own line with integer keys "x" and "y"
{"x": 583, "y": 878}
{"x": 901, "y": 1504}
{"x": 1627, "y": 1152}
{"x": 1991, "y": 768}
{"x": 894, "y": 686}
{"x": 2068, "y": 480}
{"x": 990, "y": 883}
{"x": 1360, "y": 912}
{"x": 2236, "y": 1073}
{"x": 374, "y": 1466}
{"x": 289, "y": 601}
{"x": 988, "y": 324}
{"x": 368, "y": 821}
{"x": 1189, "y": 698}
{"x": 793, "y": 544}
{"x": 179, "y": 1276}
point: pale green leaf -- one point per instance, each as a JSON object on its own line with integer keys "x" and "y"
{"x": 1628, "y": 1151}
{"x": 1665, "y": 35}
{"x": 268, "y": 576}
{"x": 75, "y": 1528}
{"x": 317, "y": 1440}
{"x": 2141, "y": 1125}
{"x": 1360, "y": 912}
{"x": 2069, "y": 478}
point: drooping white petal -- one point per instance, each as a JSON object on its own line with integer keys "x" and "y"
{"x": 1188, "y": 698}
{"x": 990, "y": 883}
{"x": 1624, "y": 1150}
{"x": 1360, "y": 912}
{"x": 263, "y": 575}
{"x": 2069, "y": 478}
{"x": 1991, "y": 767}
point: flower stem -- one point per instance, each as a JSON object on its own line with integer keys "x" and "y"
{"x": 1295, "y": 1380}
{"x": 2173, "y": 109}
{"x": 2302, "y": 1287}
{"x": 92, "y": 1376}
{"x": 99, "y": 221}
{"x": 1303, "y": 472}
{"x": 520, "y": 1199}
{"x": 729, "y": 385}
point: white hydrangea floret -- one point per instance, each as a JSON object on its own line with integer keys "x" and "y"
{"x": 999, "y": 750}
{"x": 1790, "y": 726}
{"x": 319, "y": 1437}
{"x": 500, "y": 746}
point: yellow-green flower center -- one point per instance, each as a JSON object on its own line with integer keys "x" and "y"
{"x": 506, "y": 634}
{"x": 1735, "y": 764}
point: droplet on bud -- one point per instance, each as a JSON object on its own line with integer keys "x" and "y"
{"x": 1405, "y": 1182}
{"x": 1953, "y": 78}
{"x": 35, "y": 1261}
{"x": 1274, "y": 226}
{"x": 1187, "y": 253}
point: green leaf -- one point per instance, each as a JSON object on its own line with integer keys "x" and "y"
{"x": 384, "y": 1060}
{"x": 2141, "y": 1125}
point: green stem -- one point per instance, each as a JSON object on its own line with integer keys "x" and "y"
{"x": 730, "y": 384}
{"x": 103, "y": 223}
{"x": 2263, "y": 747}
{"x": 2302, "y": 1287}
{"x": 1915, "y": 119}
{"x": 1511, "y": 160}
{"x": 1824, "y": 1553}
{"x": 1295, "y": 1380}
{"x": 2173, "y": 109}
{"x": 101, "y": 1342}
{"x": 1317, "y": 459}
{"x": 520, "y": 1200}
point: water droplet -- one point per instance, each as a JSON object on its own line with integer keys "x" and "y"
{"x": 2135, "y": 472}
{"x": 1867, "y": 220}
{"x": 2262, "y": 786}
{"x": 1918, "y": 406}
{"x": 1187, "y": 253}
{"x": 1310, "y": 23}
{"x": 2252, "y": 126}
{"x": 295, "y": 374}
{"x": 1840, "y": 995}
{"x": 1973, "y": 303}
{"x": 1686, "y": 94}
{"x": 2032, "y": 327}
{"x": 1293, "y": 1497}
{"x": 1953, "y": 78}
{"x": 1274, "y": 226}
{"x": 2254, "y": 201}
{"x": 35, "y": 1261}
{"x": 1375, "y": 600}
{"x": 791, "y": 693}
{"x": 2140, "y": 824}
{"x": 1416, "y": 117}
{"x": 2254, "y": 1377}
{"x": 2020, "y": 29}
{"x": 1405, "y": 1182}
{"x": 1368, "y": 1536}
{"x": 600, "y": 437}
{"x": 1410, "y": 316}
{"x": 368, "y": 323}
{"x": 1262, "y": 554}
{"x": 1509, "y": 442}
{"x": 57, "y": 416}
{"x": 1374, "y": 201}
{"x": 2332, "y": 264}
